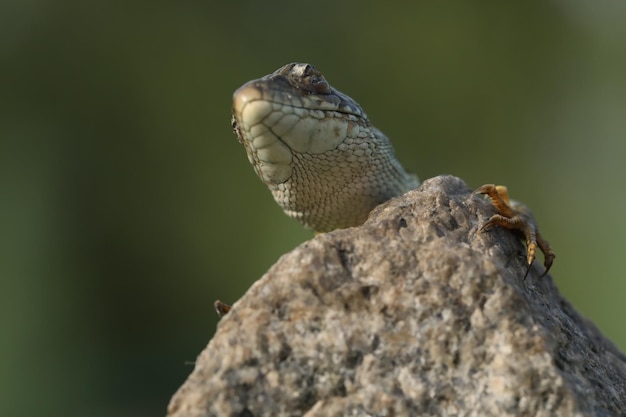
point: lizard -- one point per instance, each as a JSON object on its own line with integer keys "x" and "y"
{"x": 326, "y": 164}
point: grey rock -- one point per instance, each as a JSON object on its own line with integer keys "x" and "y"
{"x": 414, "y": 313}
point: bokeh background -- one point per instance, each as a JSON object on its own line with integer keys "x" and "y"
{"x": 127, "y": 205}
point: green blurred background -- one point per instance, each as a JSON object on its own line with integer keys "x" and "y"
{"x": 128, "y": 206}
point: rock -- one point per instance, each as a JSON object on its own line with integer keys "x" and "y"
{"x": 413, "y": 313}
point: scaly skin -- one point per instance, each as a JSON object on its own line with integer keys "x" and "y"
{"x": 326, "y": 164}
{"x": 315, "y": 149}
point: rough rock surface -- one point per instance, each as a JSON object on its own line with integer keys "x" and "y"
{"x": 412, "y": 314}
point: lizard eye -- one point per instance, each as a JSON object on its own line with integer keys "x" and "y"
{"x": 319, "y": 84}
{"x": 307, "y": 78}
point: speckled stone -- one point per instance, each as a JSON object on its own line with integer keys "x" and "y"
{"x": 413, "y": 313}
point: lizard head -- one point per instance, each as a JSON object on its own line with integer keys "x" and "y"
{"x": 294, "y": 109}
{"x": 315, "y": 148}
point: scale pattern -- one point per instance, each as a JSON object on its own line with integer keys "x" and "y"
{"x": 326, "y": 165}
